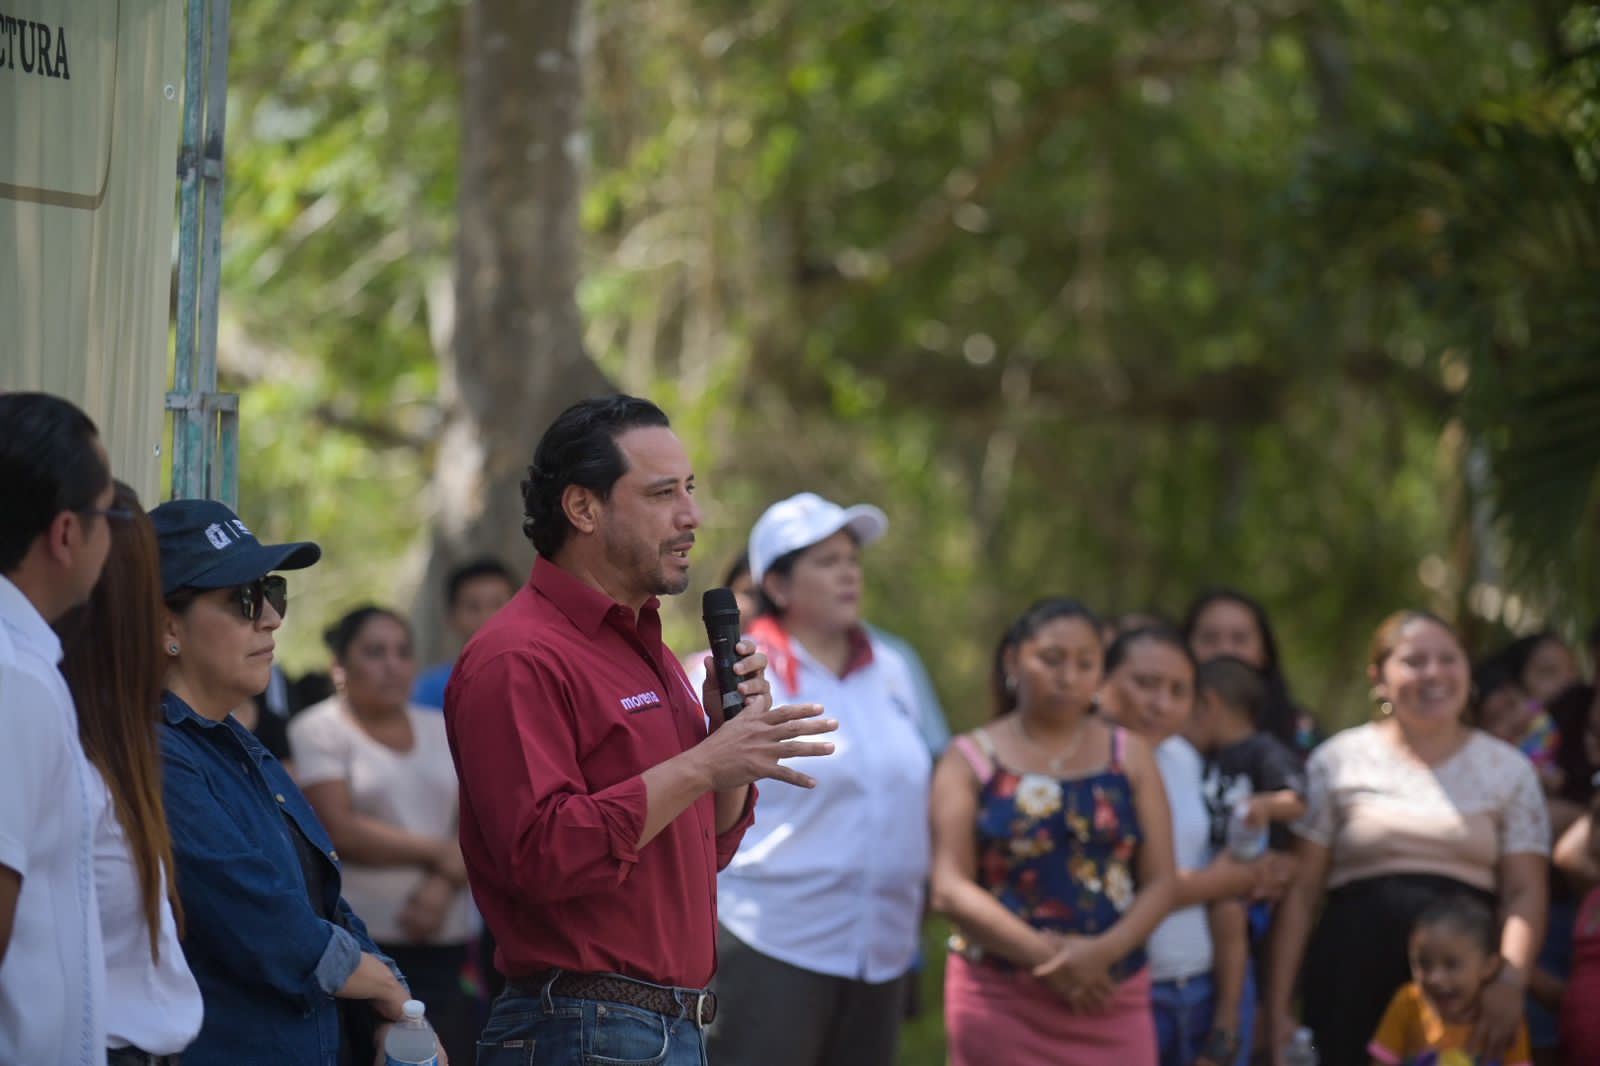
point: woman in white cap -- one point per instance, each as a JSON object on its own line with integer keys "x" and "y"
{"x": 821, "y": 908}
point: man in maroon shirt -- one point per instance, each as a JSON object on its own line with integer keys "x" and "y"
{"x": 598, "y": 799}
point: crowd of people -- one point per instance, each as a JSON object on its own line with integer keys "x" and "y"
{"x": 1148, "y": 853}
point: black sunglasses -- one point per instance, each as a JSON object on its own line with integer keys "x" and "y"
{"x": 253, "y": 598}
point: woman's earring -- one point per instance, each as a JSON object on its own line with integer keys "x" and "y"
{"x": 172, "y": 649}
{"x": 1385, "y": 708}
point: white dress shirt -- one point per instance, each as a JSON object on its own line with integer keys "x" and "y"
{"x": 52, "y": 982}
{"x": 832, "y": 879}
{"x": 151, "y": 1004}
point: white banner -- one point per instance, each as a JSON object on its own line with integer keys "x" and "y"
{"x": 90, "y": 103}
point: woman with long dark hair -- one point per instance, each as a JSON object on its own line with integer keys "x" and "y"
{"x": 1225, "y": 621}
{"x": 111, "y": 649}
{"x": 1052, "y": 858}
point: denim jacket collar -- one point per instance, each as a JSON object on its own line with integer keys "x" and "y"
{"x": 179, "y": 713}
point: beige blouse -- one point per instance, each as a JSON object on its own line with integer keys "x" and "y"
{"x": 1382, "y": 813}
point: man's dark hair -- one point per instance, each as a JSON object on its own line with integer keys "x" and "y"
{"x": 1236, "y": 683}
{"x": 1464, "y": 914}
{"x": 472, "y": 571}
{"x": 579, "y": 448}
{"x": 48, "y": 464}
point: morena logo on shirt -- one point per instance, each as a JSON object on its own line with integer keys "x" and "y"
{"x": 644, "y": 701}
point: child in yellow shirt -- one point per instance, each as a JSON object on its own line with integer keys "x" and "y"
{"x": 1454, "y": 954}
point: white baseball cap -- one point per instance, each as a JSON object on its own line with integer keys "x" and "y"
{"x": 804, "y": 520}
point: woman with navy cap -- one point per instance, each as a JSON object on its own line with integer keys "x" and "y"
{"x": 287, "y": 971}
{"x": 821, "y": 908}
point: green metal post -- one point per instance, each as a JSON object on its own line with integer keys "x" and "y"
{"x": 205, "y": 426}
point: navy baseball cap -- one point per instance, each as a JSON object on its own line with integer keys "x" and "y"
{"x": 205, "y": 546}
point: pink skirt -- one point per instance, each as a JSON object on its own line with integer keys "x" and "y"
{"x": 994, "y": 1017}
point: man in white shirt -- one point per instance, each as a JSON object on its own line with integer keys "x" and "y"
{"x": 55, "y": 484}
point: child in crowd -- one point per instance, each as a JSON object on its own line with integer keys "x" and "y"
{"x": 1505, "y": 710}
{"x": 1247, "y": 771}
{"x": 1455, "y": 953}
{"x": 1253, "y": 777}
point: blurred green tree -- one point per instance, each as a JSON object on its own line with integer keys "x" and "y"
{"x": 1116, "y": 300}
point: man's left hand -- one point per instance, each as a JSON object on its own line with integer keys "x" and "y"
{"x": 753, "y": 684}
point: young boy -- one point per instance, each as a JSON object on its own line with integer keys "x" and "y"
{"x": 1244, "y": 766}
{"x": 1252, "y": 774}
{"x": 1455, "y": 953}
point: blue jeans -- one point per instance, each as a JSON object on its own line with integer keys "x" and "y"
{"x": 1183, "y": 1012}
{"x": 546, "y": 1030}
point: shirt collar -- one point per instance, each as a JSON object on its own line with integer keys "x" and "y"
{"x": 585, "y": 606}
{"x": 786, "y": 654}
{"x": 177, "y": 712}
{"x": 26, "y": 623}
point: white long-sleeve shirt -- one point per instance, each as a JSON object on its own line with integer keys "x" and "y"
{"x": 832, "y": 879}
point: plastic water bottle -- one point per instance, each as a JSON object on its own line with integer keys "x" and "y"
{"x": 1302, "y": 1051}
{"x": 411, "y": 1041}
{"x": 1245, "y": 842}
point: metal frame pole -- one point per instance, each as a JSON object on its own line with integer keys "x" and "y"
{"x": 205, "y": 428}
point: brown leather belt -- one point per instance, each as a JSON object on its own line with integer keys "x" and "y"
{"x": 696, "y": 1004}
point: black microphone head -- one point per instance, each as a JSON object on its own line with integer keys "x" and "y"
{"x": 719, "y": 603}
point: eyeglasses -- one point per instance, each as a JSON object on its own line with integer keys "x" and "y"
{"x": 110, "y": 514}
{"x": 253, "y": 598}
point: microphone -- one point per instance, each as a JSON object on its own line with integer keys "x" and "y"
{"x": 721, "y": 613}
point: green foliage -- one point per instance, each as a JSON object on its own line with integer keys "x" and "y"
{"x": 1117, "y": 300}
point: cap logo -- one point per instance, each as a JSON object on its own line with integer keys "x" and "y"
{"x": 221, "y": 536}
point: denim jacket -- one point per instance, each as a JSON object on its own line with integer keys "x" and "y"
{"x": 267, "y": 965}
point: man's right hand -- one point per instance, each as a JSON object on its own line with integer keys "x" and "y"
{"x": 748, "y": 747}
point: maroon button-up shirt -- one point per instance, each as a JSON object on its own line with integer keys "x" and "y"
{"x": 555, "y": 708}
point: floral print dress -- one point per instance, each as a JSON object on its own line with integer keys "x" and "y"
{"x": 1057, "y": 852}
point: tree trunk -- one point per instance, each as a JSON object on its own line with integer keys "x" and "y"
{"x": 516, "y": 357}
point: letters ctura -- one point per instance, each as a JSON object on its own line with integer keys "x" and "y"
{"x": 34, "y": 47}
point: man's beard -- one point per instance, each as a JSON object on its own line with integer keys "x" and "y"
{"x": 647, "y": 562}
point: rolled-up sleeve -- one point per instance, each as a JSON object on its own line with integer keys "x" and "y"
{"x": 728, "y": 842}
{"x": 545, "y": 832}
{"x": 248, "y": 911}
{"x": 339, "y": 960}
